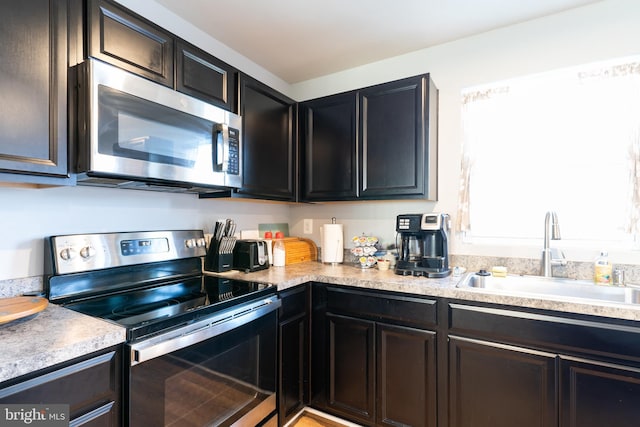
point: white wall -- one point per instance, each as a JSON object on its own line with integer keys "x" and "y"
{"x": 28, "y": 215}
{"x": 607, "y": 29}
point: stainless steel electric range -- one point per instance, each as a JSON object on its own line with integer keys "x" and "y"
{"x": 201, "y": 350}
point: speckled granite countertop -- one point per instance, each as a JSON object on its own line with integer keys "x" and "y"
{"x": 57, "y": 334}
{"x": 349, "y": 275}
{"x": 53, "y": 336}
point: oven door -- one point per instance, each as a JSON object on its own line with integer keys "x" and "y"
{"x": 219, "y": 372}
{"x": 140, "y": 130}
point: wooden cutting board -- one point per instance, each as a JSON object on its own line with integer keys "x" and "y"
{"x": 18, "y": 307}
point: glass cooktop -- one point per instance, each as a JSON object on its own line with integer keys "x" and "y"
{"x": 148, "y": 311}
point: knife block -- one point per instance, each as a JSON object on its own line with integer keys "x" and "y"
{"x": 217, "y": 261}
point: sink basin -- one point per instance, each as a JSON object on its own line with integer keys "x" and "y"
{"x": 552, "y": 287}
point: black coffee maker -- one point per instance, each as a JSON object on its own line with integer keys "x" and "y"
{"x": 424, "y": 245}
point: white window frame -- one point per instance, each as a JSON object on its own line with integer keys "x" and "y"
{"x": 624, "y": 239}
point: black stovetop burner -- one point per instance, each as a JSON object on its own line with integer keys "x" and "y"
{"x": 147, "y": 312}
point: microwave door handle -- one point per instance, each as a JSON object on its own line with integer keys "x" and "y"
{"x": 221, "y": 162}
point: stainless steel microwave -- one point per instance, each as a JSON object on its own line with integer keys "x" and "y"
{"x": 135, "y": 133}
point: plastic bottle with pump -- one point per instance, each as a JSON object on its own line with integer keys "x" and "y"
{"x": 602, "y": 269}
{"x": 279, "y": 251}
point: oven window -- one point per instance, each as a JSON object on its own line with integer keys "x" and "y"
{"x": 138, "y": 129}
{"x": 215, "y": 382}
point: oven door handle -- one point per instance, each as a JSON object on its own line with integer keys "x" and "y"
{"x": 201, "y": 331}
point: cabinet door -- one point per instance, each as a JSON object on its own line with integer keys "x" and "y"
{"x": 90, "y": 387}
{"x": 119, "y": 37}
{"x": 269, "y": 142}
{"x": 330, "y": 160}
{"x": 599, "y": 394}
{"x": 397, "y": 147}
{"x": 494, "y": 385}
{"x": 205, "y": 77}
{"x": 406, "y": 376}
{"x": 351, "y": 365}
{"x": 33, "y": 70}
{"x": 294, "y": 325}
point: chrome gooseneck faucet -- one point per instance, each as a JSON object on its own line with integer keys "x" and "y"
{"x": 551, "y": 225}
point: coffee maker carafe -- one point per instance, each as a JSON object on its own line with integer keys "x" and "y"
{"x": 424, "y": 245}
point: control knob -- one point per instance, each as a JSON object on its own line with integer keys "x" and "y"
{"x": 190, "y": 243}
{"x": 87, "y": 252}
{"x": 68, "y": 254}
{"x": 201, "y": 243}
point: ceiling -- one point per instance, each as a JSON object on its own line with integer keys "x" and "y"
{"x": 298, "y": 40}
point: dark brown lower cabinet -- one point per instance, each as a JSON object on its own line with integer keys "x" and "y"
{"x": 391, "y": 359}
{"x": 294, "y": 352}
{"x": 380, "y": 374}
{"x": 406, "y": 372}
{"x": 596, "y": 394}
{"x": 351, "y": 367}
{"x": 91, "y": 386}
{"x": 373, "y": 356}
{"x": 510, "y": 366}
{"x": 494, "y": 385}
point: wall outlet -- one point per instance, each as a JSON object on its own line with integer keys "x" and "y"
{"x": 308, "y": 226}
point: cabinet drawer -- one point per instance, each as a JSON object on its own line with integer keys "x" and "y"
{"x": 294, "y": 302}
{"x": 557, "y": 333}
{"x": 84, "y": 386}
{"x": 402, "y": 309}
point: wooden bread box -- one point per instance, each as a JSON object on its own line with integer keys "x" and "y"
{"x": 298, "y": 249}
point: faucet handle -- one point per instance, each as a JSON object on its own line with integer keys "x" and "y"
{"x": 557, "y": 257}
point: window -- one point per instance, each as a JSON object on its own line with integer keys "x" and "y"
{"x": 567, "y": 141}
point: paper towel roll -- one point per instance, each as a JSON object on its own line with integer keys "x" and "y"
{"x": 332, "y": 243}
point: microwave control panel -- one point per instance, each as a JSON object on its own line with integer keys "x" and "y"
{"x": 227, "y": 150}
{"x": 234, "y": 152}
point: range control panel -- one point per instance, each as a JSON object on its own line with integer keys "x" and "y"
{"x": 86, "y": 252}
{"x": 144, "y": 246}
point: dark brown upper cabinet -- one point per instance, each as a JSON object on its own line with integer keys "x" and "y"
{"x": 398, "y": 139}
{"x": 329, "y": 148}
{"x": 33, "y": 76}
{"x": 270, "y": 142}
{"x": 122, "y": 38}
{"x": 205, "y": 77}
{"x": 374, "y": 143}
{"x": 126, "y": 40}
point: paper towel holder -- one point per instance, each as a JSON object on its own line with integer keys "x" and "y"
{"x": 332, "y": 243}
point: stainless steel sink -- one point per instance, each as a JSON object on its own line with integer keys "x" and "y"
{"x": 552, "y": 287}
